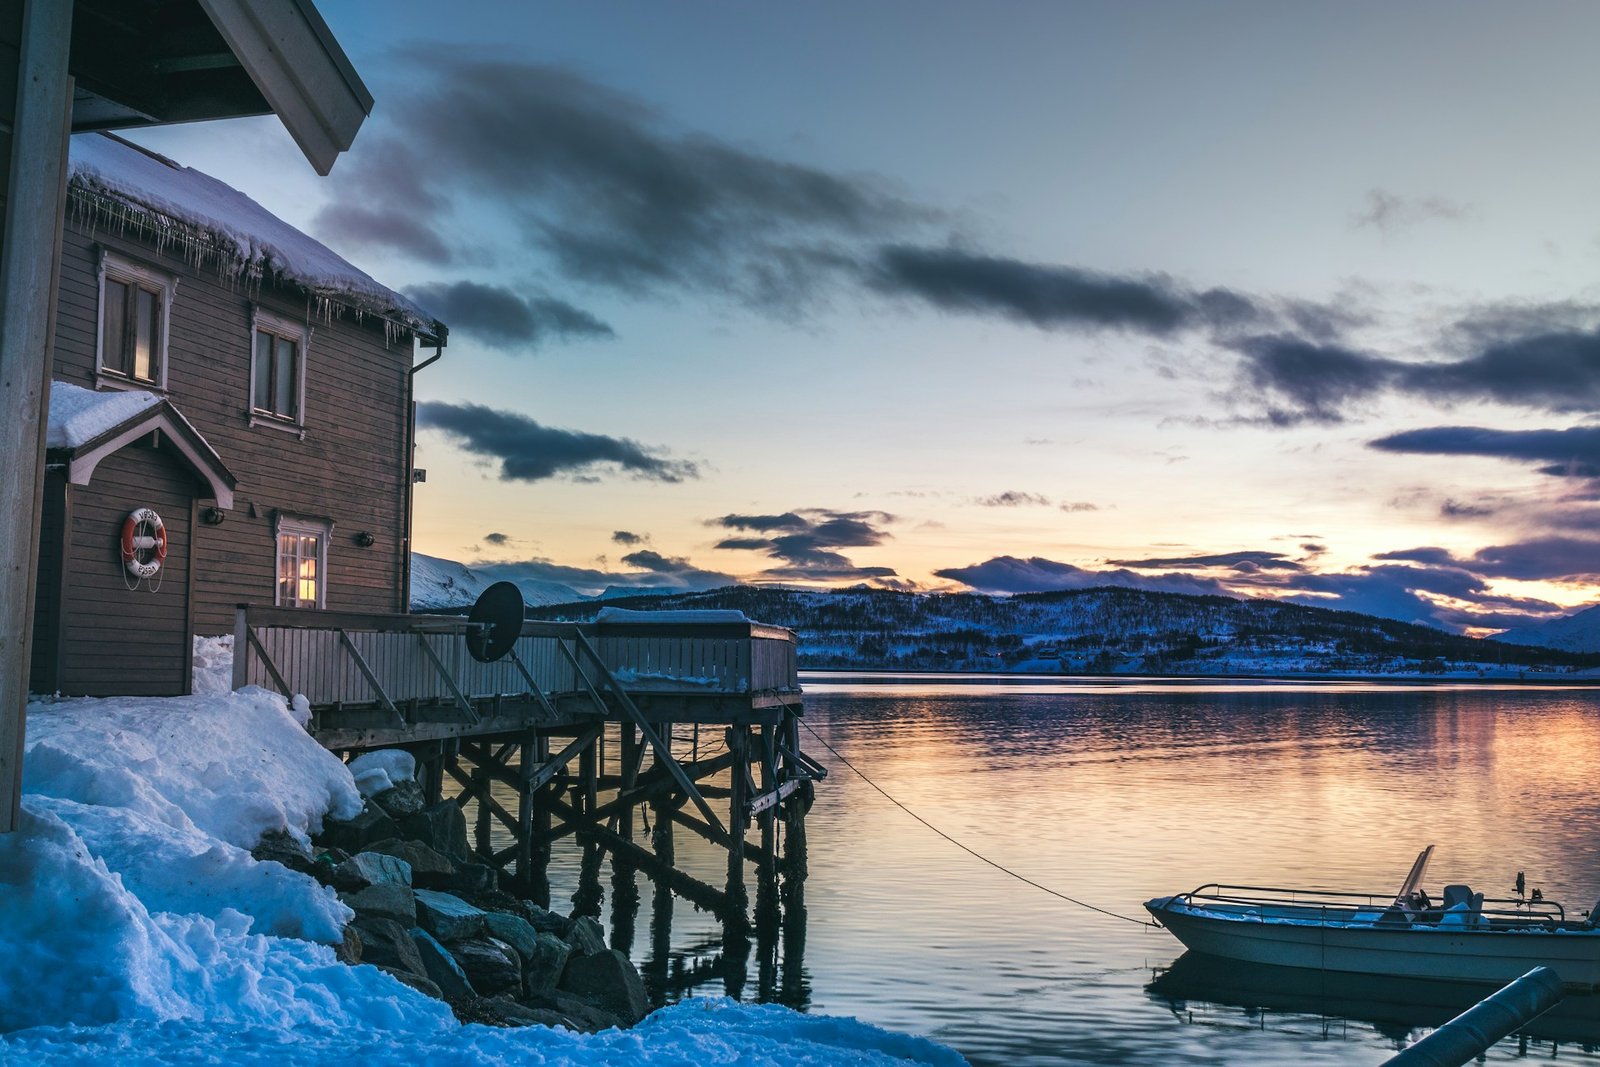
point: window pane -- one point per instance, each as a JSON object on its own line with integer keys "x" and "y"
{"x": 285, "y": 374}
{"x": 261, "y": 391}
{"x": 113, "y": 326}
{"x": 144, "y": 348}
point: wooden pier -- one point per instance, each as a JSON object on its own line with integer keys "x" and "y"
{"x": 688, "y": 723}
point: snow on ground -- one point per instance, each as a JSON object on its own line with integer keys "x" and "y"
{"x": 136, "y": 928}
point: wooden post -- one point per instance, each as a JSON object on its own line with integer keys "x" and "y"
{"x": 738, "y": 744}
{"x": 33, "y": 155}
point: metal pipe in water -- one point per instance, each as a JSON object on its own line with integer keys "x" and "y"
{"x": 1470, "y": 1034}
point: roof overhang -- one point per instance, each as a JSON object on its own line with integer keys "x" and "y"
{"x": 180, "y": 435}
{"x": 152, "y": 62}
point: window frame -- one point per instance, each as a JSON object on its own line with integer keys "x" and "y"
{"x": 301, "y": 526}
{"x": 280, "y": 326}
{"x": 119, "y": 268}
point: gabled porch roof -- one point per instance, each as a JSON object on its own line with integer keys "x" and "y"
{"x": 86, "y": 426}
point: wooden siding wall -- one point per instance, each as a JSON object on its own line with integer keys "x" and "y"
{"x": 43, "y": 670}
{"x": 122, "y": 641}
{"x": 350, "y": 467}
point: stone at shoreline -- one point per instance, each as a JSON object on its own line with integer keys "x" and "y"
{"x": 504, "y": 1011}
{"x": 541, "y": 919}
{"x": 404, "y": 798}
{"x": 446, "y": 917}
{"x": 584, "y": 1016}
{"x": 441, "y": 826}
{"x": 425, "y": 862}
{"x": 468, "y": 879}
{"x": 277, "y": 846}
{"x": 415, "y": 981}
{"x": 385, "y": 902}
{"x": 542, "y": 968}
{"x": 610, "y": 980}
{"x": 586, "y": 937}
{"x": 389, "y": 945}
{"x": 348, "y": 950}
{"x": 513, "y": 930}
{"x": 491, "y": 966}
{"x": 441, "y": 967}
{"x": 355, "y": 834}
{"x": 371, "y": 868}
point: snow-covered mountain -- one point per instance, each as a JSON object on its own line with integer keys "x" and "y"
{"x": 1102, "y": 630}
{"x": 444, "y": 585}
{"x": 1579, "y": 632}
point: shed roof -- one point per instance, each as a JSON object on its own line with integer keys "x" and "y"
{"x": 118, "y": 183}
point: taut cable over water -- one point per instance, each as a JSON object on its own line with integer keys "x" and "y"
{"x": 1002, "y": 868}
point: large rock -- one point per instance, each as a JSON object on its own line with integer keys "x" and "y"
{"x": 610, "y": 980}
{"x": 446, "y": 917}
{"x": 586, "y": 937}
{"x": 371, "y": 868}
{"x": 441, "y": 826}
{"x": 542, "y": 968}
{"x": 544, "y": 920}
{"x": 468, "y": 879}
{"x": 513, "y": 930}
{"x": 278, "y": 847}
{"x": 403, "y": 799}
{"x": 389, "y": 945}
{"x": 492, "y": 966}
{"x": 348, "y": 950}
{"x": 580, "y": 1013}
{"x": 425, "y": 862}
{"x": 441, "y": 967}
{"x": 422, "y": 985}
{"x": 504, "y": 1011}
{"x": 355, "y": 834}
{"x": 385, "y": 902}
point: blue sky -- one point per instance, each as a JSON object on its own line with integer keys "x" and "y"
{"x": 1283, "y": 300}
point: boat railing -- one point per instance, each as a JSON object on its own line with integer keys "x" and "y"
{"x": 1330, "y": 902}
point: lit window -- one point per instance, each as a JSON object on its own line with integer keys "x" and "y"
{"x": 277, "y": 369}
{"x": 135, "y": 304}
{"x": 302, "y": 580}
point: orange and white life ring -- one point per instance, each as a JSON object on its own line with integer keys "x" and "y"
{"x": 144, "y": 542}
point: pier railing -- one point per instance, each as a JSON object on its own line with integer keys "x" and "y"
{"x": 397, "y": 663}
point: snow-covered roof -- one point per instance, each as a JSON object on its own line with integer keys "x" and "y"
{"x": 672, "y": 618}
{"x": 79, "y": 415}
{"x": 189, "y": 207}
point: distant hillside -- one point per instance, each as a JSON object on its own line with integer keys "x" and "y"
{"x": 1113, "y": 631}
{"x": 1579, "y": 632}
{"x": 445, "y": 585}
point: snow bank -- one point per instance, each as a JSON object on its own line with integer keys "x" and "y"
{"x": 213, "y": 665}
{"x": 79, "y": 415}
{"x": 382, "y": 769}
{"x": 701, "y": 1033}
{"x": 136, "y": 929}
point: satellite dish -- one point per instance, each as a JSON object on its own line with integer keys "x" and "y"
{"x": 495, "y": 622}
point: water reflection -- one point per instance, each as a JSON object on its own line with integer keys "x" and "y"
{"x": 1201, "y": 990}
{"x": 1114, "y": 793}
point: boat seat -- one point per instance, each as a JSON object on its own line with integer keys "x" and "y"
{"x": 1463, "y": 901}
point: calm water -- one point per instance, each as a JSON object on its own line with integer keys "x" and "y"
{"x": 1117, "y": 792}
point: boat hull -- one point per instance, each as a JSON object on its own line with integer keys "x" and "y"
{"x": 1448, "y": 953}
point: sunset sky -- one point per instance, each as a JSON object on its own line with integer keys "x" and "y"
{"x": 1275, "y": 299}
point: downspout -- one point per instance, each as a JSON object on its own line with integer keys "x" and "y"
{"x": 441, "y": 337}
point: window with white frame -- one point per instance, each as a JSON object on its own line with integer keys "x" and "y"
{"x": 277, "y": 369}
{"x": 302, "y": 572}
{"x": 135, "y": 308}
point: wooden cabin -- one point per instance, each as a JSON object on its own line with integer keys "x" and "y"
{"x": 241, "y": 383}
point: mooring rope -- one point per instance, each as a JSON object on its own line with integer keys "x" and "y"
{"x": 1002, "y": 868}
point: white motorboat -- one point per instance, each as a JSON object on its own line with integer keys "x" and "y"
{"x": 1463, "y": 937}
